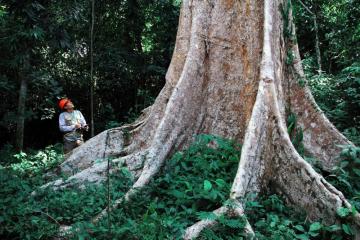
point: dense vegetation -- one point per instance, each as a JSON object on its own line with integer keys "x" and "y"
{"x": 199, "y": 181}
{"x": 337, "y": 87}
{"x": 47, "y": 43}
{"x": 133, "y": 42}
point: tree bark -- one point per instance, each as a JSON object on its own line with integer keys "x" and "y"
{"x": 20, "y": 122}
{"x": 230, "y": 75}
{"x": 317, "y": 44}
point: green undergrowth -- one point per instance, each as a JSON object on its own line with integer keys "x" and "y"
{"x": 346, "y": 175}
{"x": 193, "y": 183}
{"x": 31, "y": 163}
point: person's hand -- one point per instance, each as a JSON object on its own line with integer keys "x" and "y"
{"x": 78, "y": 125}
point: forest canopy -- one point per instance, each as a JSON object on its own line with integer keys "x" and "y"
{"x": 133, "y": 44}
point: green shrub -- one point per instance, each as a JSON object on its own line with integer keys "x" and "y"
{"x": 339, "y": 97}
{"x": 193, "y": 183}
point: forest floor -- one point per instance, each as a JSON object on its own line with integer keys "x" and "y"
{"x": 200, "y": 180}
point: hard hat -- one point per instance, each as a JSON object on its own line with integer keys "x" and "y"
{"x": 63, "y": 102}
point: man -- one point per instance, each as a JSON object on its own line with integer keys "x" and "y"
{"x": 72, "y": 123}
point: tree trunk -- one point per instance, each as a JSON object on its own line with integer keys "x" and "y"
{"x": 235, "y": 72}
{"x": 20, "y": 122}
{"x": 314, "y": 16}
{"x": 317, "y": 44}
{"x": 92, "y": 82}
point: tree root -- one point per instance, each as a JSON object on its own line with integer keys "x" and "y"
{"x": 93, "y": 150}
{"x": 171, "y": 129}
{"x": 321, "y": 138}
{"x": 302, "y": 185}
{"x": 235, "y": 210}
{"x": 94, "y": 174}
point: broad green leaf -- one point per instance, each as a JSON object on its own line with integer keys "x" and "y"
{"x": 207, "y": 185}
{"x": 356, "y": 171}
{"x": 353, "y": 210}
{"x": 302, "y": 237}
{"x": 333, "y": 228}
{"x": 347, "y": 229}
{"x": 314, "y": 234}
{"x": 343, "y": 212}
{"x": 315, "y": 227}
{"x": 220, "y": 182}
{"x": 300, "y": 228}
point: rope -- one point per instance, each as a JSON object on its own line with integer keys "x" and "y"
{"x": 92, "y": 82}
{"x": 107, "y": 181}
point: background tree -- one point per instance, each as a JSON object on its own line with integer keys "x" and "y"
{"x": 338, "y": 21}
{"x": 92, "y": 82}
{"x": 316, "y": 30}
{"x": 27, "y": 32}
{"x": 337, "y": 90}
{"x": 63, "y": 64}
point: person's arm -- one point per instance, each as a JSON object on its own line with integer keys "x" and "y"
{"x": 62, "y": 125}
{"x": 82, "y": 119}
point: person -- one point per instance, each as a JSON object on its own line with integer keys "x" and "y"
{"x": 72, "y": 123}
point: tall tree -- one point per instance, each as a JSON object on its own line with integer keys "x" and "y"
{"x": 28, "y": 32}
{"x": 235, "y": 72}
{"x": 20, "y": 123}
{"x": 316, "y": 29}
{"x": 337, "y": 22}
{"x": 92, "y": 82}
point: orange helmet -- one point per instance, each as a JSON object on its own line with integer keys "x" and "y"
{"x": 63, "y": 102}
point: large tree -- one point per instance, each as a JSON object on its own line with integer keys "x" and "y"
{"x": 235, "y": 72}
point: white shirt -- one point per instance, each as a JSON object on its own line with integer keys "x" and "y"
{"x": 67, "y": 120}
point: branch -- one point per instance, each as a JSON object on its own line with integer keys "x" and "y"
{"x": 49, "y": 216}
{"x": 306, "y": 8}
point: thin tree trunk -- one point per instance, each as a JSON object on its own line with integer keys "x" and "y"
{"x": 317, "y": 44}
{"x": 20, "y": 123}
{"x": 317, "y": 41}
{"x": 92, "y": 81}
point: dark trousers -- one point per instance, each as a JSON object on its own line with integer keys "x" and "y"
{"x": 70, "y": 145}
